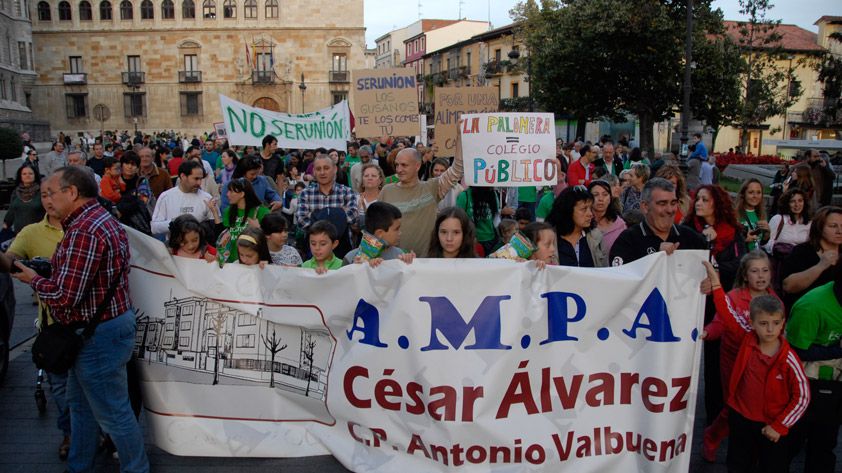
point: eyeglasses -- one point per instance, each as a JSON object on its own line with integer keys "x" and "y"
{"x": 50, "y": 193}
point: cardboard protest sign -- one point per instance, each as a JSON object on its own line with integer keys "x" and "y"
{"x": 509, "y": 149}
{"x": 220, "y": 130}
{"x": 451, "y": 103}
{"x": 409, "y": 372}
{"x": 385, "y": 102}
{"x": 326, "y": 128}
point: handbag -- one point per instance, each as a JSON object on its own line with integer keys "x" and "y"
{"x": 781, "y": 250}
{"x": 56, "y": 347}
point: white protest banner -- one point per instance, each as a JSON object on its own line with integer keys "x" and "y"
{"x": 400, "y": 368}
{"x": 509, "y": 149}
{"x": 326, "y": 128}
{"x": 451, "y": 103}
{"x": 385, "y": 102}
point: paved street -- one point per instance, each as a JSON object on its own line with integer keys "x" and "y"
{"x": 29, "y": 442}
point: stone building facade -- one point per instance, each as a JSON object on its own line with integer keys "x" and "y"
{"x": 162, "y": 64}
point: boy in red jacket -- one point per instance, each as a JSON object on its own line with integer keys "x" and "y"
{"x": 768, "y": 389}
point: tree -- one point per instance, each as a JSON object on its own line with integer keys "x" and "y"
{"x": 716, "y": 82}
{"x": 307, "y": 349}
{"x": 767, "y": 88}
{"x": 273, "y": 345}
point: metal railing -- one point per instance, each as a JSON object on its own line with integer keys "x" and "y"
{"x": 189, "y": 76}
{"x": 75, "y": 78}
{"x": 134, "y": 78}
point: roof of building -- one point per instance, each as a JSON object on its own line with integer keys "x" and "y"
{"x": 793, "y": 38}
{"x": 496, "y": 32}
{"x": 426, "y": 25}
{"x": 829, "y": 19}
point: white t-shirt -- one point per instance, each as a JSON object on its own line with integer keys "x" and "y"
{"x": 792, "y": 233}
{"x": 173, "y": 202}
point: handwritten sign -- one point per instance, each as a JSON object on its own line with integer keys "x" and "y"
{"x": 326, "y": 128}
{"x": 220, "y": 130}
{"x": 509, "y": 149}
{"x": 385, "y": 102}
{"x": 451, "y": 103}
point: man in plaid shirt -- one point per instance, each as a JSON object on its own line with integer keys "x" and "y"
{"x": 92, "y": 255}
{"x": 331, "y": 201}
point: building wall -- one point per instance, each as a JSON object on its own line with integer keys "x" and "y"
{"x": 506, "y": 78}
{"x": 303, "y": 40}
{"x": 445, "y": 36}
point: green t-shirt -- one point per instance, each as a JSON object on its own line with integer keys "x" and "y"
{"x": 226, "y": 246}
{"x": 350, "y": 161}
{"x": 816, "y": 319}
{"x": 527, "y": 194}
{"x": 332, "y": 263}
{"x": 484, "y": 223}
{"x": 750, "y": 222}
{"x": 545, "y": 205}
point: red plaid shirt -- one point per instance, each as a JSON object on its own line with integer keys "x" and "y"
{"x": 92, "y": 253}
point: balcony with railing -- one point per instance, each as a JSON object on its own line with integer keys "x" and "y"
{"x": 342, "y": 77}
{"x": 456, "y": 73}
{"x": 822, "y": 111}
{"x": 75, "y": 78}
{"x": 133, "y": 78}
{"x": 189, "y": 77}
{"x": 263, "y": 77}
{"x": 493, "y": 67}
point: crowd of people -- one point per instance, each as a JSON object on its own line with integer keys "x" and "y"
{"x": 774, "y": 256}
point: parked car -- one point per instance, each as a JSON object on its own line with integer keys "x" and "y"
{"x": 7, "y": 317}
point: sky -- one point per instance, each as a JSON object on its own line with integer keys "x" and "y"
{"x": 381, "y": 15}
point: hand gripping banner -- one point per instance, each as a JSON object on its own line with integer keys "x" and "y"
{"x": 441, "y": 365}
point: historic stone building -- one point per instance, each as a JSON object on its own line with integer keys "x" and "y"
{"x": 162, "y": 64}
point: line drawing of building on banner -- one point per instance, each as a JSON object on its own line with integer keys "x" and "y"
{"x": 199, "y": 334}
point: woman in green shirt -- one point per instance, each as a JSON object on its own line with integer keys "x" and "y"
{"x": 482, "y": 204}
{"x": 25, "y": 206}
{"x": 244, "y": 210}
{"x": 751, "y": 214}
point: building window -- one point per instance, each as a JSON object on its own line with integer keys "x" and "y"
{"x": 133, "y": 63}
{"x": 188, "y": 9}
{"x": 515, "y": 90}
{"x": 265, "y": 62}
{"x": 13, "y": 88}
{"x": 76, "y": 65}
{"x": 209, "y": 9}
{"x": 191, "y": 104}
{"x": 340, "y": 62}
{"x": 64, "y": 11}
{"x": 191, "y": 62}
{"x": 3, "y": 88}
{"x": 147, "y": 10}
{"x": 24, "y": 64}
{"x": 468, "y": 60}
{"x": 134, "y": 104}
{"x": 77, "y": 105}
{"x": 229, "y": 9}
{"x": 105, "y": 11}
{"x": 44, "y": 12}
{"x": 339, "y": 96}
{"x": 126, "y": 11}
{"x": 250, "y": 9}
{"x": 271, "y": 8}
{"x": 86, "y": 13}
{"x": 168, "y": 10}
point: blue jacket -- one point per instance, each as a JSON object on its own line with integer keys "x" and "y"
{"x": 700, "y": 152}
{"x": 265, "y": 192}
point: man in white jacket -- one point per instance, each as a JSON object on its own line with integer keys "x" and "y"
{"x": 186, "y": 198}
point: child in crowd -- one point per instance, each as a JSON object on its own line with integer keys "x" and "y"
{"x": 252, "y": 248}
{"x": 274, "y": 226}
{"x": 453, "y": 235}
{"x": 768, "y": 388}
{"x": 506, "y": 228}
{"x": 188, "y": 239}
{"x": 381, "y": 237}
{"x": 544, "y": 238}
{"x": 112, "y": 186}
{"x": 291, "y": 201}
{"x": 323, "y": 240}
{"x": 753, "y": 279}
{"x": 523, "y": 215}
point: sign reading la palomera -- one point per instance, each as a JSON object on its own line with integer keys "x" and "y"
{"x": 509, "y": 149}
{"x": 531, "y": 370}
{"x": 385, "y": 102}
{"x": 326, "y": 128}
{"x": 451, "y": 103}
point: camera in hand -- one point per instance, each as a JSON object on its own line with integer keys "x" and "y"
{"x": 39, "y": 265}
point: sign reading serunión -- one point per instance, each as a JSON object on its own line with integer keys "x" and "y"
{"x": 385, "y": 102}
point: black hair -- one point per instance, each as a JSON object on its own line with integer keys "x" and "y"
{"x": 614, "y": 206}
{"x": 261, "y": 247}
{"x": 181, "y": 226}
{"x": 241, "y": 184}
{"x": 523, "y": 213}
{"x": 248, "y": 163}
{"x": 130, "y": 157}
{"x": 534, "y": 229}
{"x": 321, "y": 151}
{"x": 177, "y": 152}
{"x": 561, "y": 214}
{"x": 187, "y": 167}
{"x": 484, "y": 203}
{"x": 109, "y": 161}
{"x": 235, "y": 158}
{"x": 34, "y": 171}
{"x": 161, "y": 151}
{"x": 380, "y": 216}
{"x": 323, "y": 227}
{"x": 273, "y": 223}
{"x": 268, "y": 139}
{"x": 82, "y": 178}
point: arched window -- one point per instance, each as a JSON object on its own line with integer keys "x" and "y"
{"x": 44, "y": 12}
{"x": 271, "y": 8}
{"x": 188, "y": 9}
{"x": 126, "y": 10}
{"x": 250, "y": 9}
{"x": 229, "y": 9}
{"x": 64, "y": 11}
{"x": 105, "y": 12}
{"x": 147, "y": 10}
{"x": 86, "y": 13}
{"x": 167, "y": 10}
{"x": 209, "y": 9}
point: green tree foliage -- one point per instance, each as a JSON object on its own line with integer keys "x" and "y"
{"x": 830, "y": 75}
{"x": 11, "y": 145}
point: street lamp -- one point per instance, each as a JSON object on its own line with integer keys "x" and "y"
{"x": 303, "y": 88}
{"x": 688, "y": 68}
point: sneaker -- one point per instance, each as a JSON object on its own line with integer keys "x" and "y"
{"x": 64, "y": 448}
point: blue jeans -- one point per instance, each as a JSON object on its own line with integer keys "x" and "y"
{"x": 58, "y": 388}
{"x": 98, "y": 394}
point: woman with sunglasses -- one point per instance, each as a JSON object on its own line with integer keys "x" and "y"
{"x": 32, "y": 161}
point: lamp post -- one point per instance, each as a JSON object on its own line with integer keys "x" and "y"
{"x": 688, "y": 68}
{"x": 303, "y": 87}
